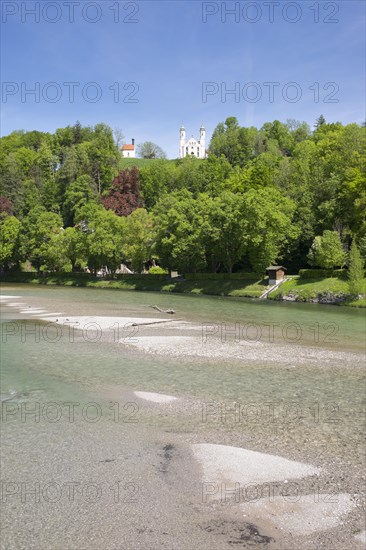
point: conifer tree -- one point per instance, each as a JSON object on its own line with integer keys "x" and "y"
{"x": 356, "y": 270}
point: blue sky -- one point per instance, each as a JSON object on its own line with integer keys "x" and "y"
{"x": 169, "y": 52}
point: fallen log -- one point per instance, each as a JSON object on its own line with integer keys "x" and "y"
{"x": 167, "y": 311}
{"x": 154, "y": 323}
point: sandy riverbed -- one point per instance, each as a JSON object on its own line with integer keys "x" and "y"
{"x": 174, "y": 470}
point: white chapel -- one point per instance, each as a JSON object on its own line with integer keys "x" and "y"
{"x": 192, "y": 147}
{"x": 128, "y": 150}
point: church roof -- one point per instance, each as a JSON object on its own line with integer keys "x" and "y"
{"x": 127, "y": 147}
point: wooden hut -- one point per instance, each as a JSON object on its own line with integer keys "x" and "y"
{"x": 276, "y": 273}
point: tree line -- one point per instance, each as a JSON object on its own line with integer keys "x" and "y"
{"x": 281, "y": 193}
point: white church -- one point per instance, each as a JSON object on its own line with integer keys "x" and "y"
{"x": 192, "y": 147}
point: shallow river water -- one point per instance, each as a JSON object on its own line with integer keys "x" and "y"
{"x": 88, "y": 463}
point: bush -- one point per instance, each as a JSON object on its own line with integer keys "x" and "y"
{"x": 322, "y": 273}
{"x": 82, "y": 275}
{"x": 221, "y": 276}
{"x": 136, "y": 277}
{"x": 156, "y": 270}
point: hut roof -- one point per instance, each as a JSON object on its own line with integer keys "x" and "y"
{"x": 276, "y": 268}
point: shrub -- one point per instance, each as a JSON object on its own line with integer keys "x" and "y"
{"x": 140, "y": 277}
{"x": 322, "y": 273}
{"x": 221, "y": 276}
{"x": 356, "y": 271}
{"x": 157, "y": 270}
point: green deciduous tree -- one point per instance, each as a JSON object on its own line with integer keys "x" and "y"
{"x": 9, "y": 233}
{"x": 279, "y": 134}
{"x": 149, "y": 150}
{"x": 238, "y": 145}
{"x": 78, "y": 193}
{"x": 157, "y": 178}
{"x": 104, "y": 237}
{"x": 322, "y": 174}
{"x": 178, "y": 238}
{"x": 55, "y": 257}
{"x": 75, "y": 246}
{"x": 327, "y": 251}
{"x": 215, "y": 171}
{"x": 269, "y": 226}
{"x": 41, "y": 239}
{"x": 138, "y": 238}
{"x": 222, "y": 230}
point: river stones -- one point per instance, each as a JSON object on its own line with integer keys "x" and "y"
{"x": 155, "y": 397}
{"x": 222, "y": 463}
{"x": 299, "y": 514}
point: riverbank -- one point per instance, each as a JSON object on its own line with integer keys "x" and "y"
{"x": 330, "y": 291}
{"x": 246, "y": 288}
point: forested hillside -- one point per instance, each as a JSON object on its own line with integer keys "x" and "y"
{"x": 282, "y": 193}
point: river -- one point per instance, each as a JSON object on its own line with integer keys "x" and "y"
{"x": 88, "y": 463}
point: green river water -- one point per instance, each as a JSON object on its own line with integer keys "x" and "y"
{"x": 305, "y": 410}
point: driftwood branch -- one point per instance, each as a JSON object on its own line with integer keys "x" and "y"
{"x": 168, "y": 311}
{"x": 154, "y": 323}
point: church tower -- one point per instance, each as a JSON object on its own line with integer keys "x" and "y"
{"x": 182, "y": 142}
{"x": 203, "y": 140}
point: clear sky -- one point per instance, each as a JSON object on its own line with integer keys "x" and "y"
{"x": 144, "y": 66}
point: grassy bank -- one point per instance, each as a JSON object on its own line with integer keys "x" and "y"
{"x": 311, "y": 290}
{"x": 320, "y": 290}
{"x": 129, "y": 162}
{"x": 229, "y": 287}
